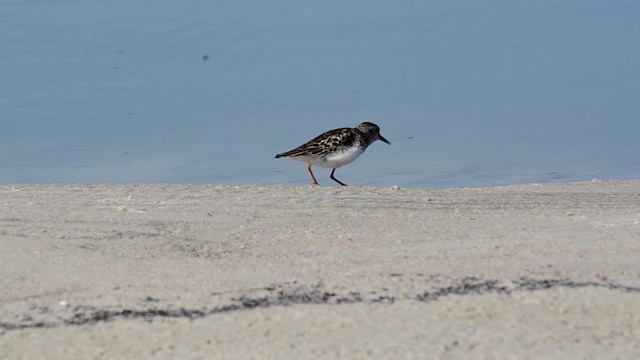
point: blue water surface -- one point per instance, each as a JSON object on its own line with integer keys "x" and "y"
{"x": 470, "y": 93}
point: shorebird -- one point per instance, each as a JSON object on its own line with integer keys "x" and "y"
{"x": 336, "y": 148}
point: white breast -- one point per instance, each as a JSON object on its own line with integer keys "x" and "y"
{"x": 336, "y": 160}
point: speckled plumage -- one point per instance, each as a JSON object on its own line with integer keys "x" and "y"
{"x": 336, "y": 148}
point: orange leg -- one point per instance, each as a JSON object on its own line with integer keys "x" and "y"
{"x": 311, "y": 172}
{"x": 336, "y": 180}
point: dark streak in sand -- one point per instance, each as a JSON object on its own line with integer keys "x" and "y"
{"x": 86, "y": 315}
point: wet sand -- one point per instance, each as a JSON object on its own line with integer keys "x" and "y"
{"x": 197, "y": 271}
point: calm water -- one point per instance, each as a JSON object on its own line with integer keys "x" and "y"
{"x": 471, "y": 93}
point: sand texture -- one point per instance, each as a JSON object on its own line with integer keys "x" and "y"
{"x": 243, "y": 272}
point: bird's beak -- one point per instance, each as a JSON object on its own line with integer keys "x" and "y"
{"x": 383, "y": 139}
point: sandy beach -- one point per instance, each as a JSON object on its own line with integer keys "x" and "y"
{"x": 223, "y": 271}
